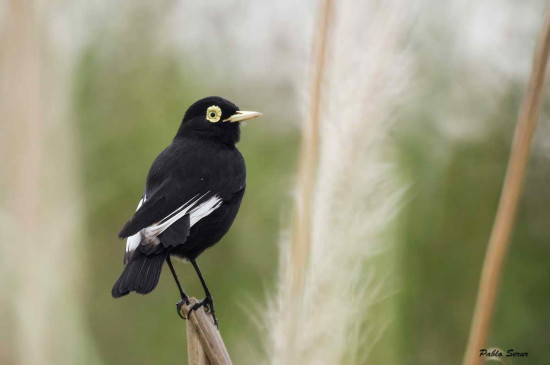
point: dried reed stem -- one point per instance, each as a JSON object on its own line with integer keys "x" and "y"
{"x": 204, "y": 342}
{"x": 195, "y": 352}
{"x": 507, "y": 209}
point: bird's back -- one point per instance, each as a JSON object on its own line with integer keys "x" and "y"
{"x": 195, "y": 165}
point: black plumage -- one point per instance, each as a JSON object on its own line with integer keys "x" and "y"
{"x": 192, "y": 195}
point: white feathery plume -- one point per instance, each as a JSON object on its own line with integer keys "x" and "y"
{"x": 355, "y": 195}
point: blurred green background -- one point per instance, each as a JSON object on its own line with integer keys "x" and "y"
{"x": 130, "y": 89}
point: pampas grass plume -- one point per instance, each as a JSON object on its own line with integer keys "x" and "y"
{"x": 354, "y": 192}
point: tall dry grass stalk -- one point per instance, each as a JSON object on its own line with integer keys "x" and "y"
{"x": 307, "y": 172}
{"x": 509, "y": 199}
{"x": 326, "y": 285}
{"x": 41, "y": 257}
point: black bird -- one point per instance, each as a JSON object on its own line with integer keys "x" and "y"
{"x": 192, "y": 195}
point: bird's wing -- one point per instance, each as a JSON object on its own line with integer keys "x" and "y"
{"x": 196, "y": 208}
{"x": 157, "y": 213}
{"x": 173, "y": 200}
{"x": 169, "y": 203}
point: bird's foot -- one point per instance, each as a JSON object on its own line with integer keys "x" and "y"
{"x": 208, "y": 303}
{"x": 180, "y": 304}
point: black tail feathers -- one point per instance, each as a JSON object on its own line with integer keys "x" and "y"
{"x": 141, "y": 274}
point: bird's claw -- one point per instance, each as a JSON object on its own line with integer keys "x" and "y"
{"x": 179, "y": 305}
{"x": 208, "y": 304}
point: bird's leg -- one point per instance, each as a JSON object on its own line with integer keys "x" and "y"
{"x": 208, "y": 301}
{"x": 184, "y": 297}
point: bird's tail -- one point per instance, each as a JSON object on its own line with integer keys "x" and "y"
{"x": 141, "y": 274}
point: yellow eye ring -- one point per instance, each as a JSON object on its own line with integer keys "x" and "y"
{"x": 213, "y": 114}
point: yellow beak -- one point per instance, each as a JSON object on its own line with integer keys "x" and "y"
{"x": 241, "y": 115}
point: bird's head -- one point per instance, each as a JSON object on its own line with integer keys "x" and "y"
{"x": 214, "y": 118}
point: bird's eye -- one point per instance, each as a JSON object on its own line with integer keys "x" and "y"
{"x": 213, "y": 114}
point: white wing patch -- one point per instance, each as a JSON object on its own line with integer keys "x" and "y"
{"x": 196, "y": 212}
{"x": 204, "y": 209}
{"x": 132, "y": 242}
